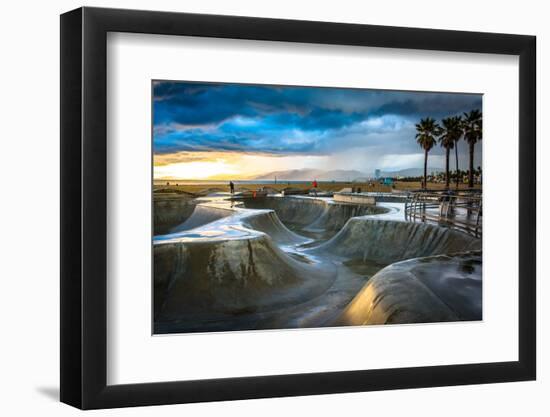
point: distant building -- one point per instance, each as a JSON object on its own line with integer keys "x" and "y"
{"x": 376, "y": 173}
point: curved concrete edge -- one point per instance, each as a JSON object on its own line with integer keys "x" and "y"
{"x": 203, "y": 213}
{"x": 313, "y": 214}
{"x": 267, "y": 221}
{"x": 423, "y": 290}
{"x": 389, "y": 241}
{"x": 231, "y": 224}
{"x": 240, "y": 276}
{"x": 170, "y": 210}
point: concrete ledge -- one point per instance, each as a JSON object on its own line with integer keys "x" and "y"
{"x": 354, "y": 198}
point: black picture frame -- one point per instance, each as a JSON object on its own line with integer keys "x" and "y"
{"x": 84, "y": 207}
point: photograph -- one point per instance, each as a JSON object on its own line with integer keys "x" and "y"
{"x": 284, "y": 207}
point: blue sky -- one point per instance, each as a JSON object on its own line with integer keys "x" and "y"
{"x": 344, "y": 128}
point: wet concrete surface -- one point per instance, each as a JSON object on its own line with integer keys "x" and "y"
{"x": 289, "y": 262}
{"x": 171, "y": 210}
{"x": 436, "y": 288}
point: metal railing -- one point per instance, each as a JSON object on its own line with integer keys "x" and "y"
{"x": 461, "y": 210}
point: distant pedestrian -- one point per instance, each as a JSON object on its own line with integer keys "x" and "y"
{"x": 315, "y": 187}
{"x": 232, "y": 187}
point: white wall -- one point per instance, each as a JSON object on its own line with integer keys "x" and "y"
{"x": 29, "y": 265}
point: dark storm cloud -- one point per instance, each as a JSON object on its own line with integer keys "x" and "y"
{"x": 292, "y": 120}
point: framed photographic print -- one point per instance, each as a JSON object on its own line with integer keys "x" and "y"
{"x": 257, "y": 208}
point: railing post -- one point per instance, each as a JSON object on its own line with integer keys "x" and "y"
{"x": 446, "y": 210}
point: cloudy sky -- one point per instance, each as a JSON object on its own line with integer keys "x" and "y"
{"x": 223, "y": 131}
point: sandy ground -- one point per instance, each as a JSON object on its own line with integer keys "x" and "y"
{"x": 202, "y": 189}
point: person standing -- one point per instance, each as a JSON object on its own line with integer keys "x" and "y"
{"x": 232, "y": 187}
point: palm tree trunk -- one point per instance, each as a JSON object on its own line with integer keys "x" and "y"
{"x": 447, "y": 179}
{"x": 456, "y": 156}
{"x": 471, "y": 173}
{"x": 425, "y": 169}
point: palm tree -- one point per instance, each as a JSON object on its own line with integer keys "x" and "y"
{"x": 450, "y": 134}
{"x": 427, "y": 130}
{"x": 457, "y": 137}
{"x": 472, "y": 128}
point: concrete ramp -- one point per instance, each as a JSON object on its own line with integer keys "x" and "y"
{"x": 317, "y": 217}
{"x": 335, "y": 216}
{"x": 290, "y": 210}
{"x": 385, "y": 241}
{"x": 432, "y": 289}
{"x": 201, "y": 278}
{"x": 170, "y": 210}
{"x": 202, "y": 215}
{"x": 268, "y": 222}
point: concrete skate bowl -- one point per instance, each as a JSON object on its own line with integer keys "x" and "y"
{"x": 313, "y": 217}
{"x": 174, "y": 213}
{"x": 203, "y": 214}
{"x": 234, "y": 268}
{"x": 170, "y": 210}
{"x": 432, "y": 289}
{"x": 210, "y": 282}
{"x": 434, "y": 273}
{"x": 386, "y": 241}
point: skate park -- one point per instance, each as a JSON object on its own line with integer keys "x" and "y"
{"x": 258, "y": 261}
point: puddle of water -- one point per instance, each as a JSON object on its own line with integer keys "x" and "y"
{"x": 363, "y": 268}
